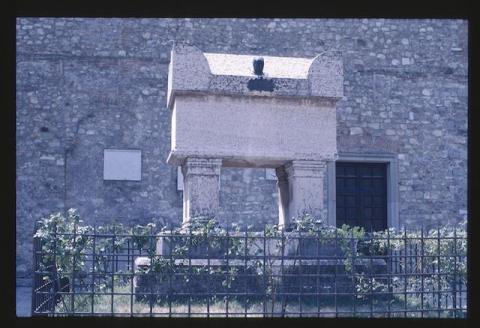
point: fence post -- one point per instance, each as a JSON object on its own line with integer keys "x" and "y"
{"x": 34, "y": 273}
{"x": 131, "y": 269}
{"x": 317, "y": 270}
{"x": 298, "y": 254}
{"x": 72, "y": 283}
{"x": 422, "y": 266}
{"x": 336, "y": 272}
{"x": 227, "y": 270}
{"x": 282, "y": 277}
{"x": 245, "y": 270}
{"x": 112, "y": 267}
{"x": 389, "y": 272}
{"x": 93, "y": 265}
{"x": 208, "y": 270}
{"x": 55, "y": 279}
{"x": 170, "y": 272}
{"x": 354, "y": 272}
{"x": 439, "y": 277}
{"x": 265, "y": 287}
{"x": 151, "y": 276}
{"x": 405, "y": 270}
{"x": 189, "y": 254}
{"x": 370, "y": 272}
{"x": 455, "y": 273}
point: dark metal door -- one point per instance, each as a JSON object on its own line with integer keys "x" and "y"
{"x": 362, "y": 195}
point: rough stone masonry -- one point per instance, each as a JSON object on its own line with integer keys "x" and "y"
{"x": 89, "y": 84}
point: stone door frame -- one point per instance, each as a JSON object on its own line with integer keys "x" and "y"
{"x": 392, "y": 183}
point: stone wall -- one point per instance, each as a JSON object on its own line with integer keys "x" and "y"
{"x": 88, "y": 84}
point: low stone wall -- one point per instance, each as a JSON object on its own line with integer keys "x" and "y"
{"x": 294, "y": 244}
{"x": 201, "y": 278}
{"x": 306, "y": 266}
{"x": 292, "y": 277}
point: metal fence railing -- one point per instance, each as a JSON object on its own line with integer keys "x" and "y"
{"x": 221, "y": 273}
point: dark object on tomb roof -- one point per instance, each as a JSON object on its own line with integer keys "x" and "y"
{"x": 258, "y": 66}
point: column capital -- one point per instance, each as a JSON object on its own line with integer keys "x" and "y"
{"x": 201, "y": 166}
{"x": 306, "y": 169}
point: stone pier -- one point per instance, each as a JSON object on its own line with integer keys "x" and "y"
{"x": 300, "y": 189}
{"x": 201, "y": 181}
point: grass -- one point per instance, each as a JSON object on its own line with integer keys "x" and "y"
{"x": 127, "y": 305}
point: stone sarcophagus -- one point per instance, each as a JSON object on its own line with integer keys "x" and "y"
{"x": 242, "y": 111}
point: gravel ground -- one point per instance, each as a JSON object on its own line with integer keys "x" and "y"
{"x": 24, "y": 301}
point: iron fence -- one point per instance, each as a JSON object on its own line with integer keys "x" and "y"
{"x": 222, "y": 273}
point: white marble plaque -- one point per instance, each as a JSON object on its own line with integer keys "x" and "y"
{"x": 122, "y": 164}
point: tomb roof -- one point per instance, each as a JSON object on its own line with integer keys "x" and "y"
{"x": 193, "y": 71}
{"x": 275, "y": 67}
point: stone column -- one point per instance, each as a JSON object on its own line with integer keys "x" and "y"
{"x": 283, "y": 195}
{"x": 305, "y": 189}
{"x": 201, "y": 187}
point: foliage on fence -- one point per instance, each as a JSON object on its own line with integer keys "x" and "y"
{"x": 66, "y": 242}
{"x": 63, "y": 240}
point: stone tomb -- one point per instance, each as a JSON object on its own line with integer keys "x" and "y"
{"x": 225, "y": 113}
{"x": 228, "y": 110}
